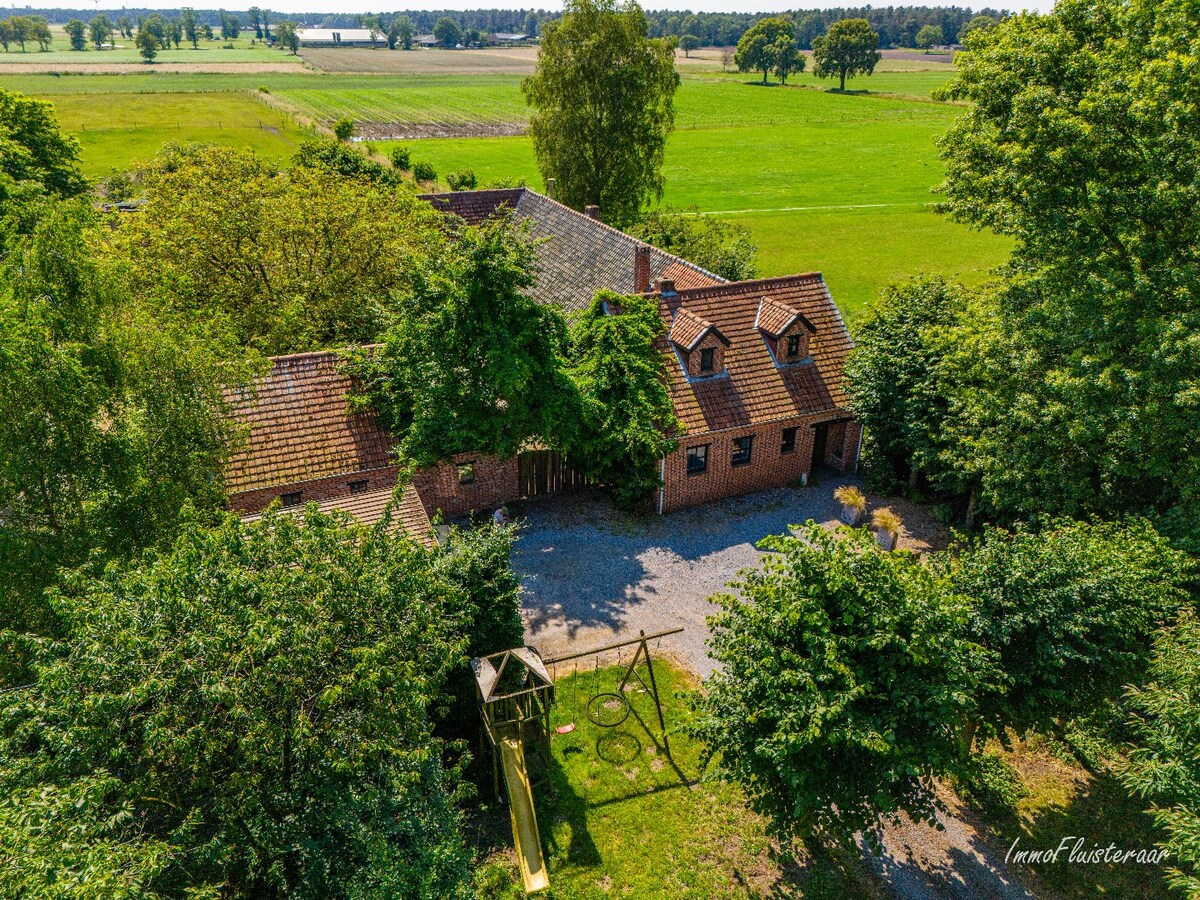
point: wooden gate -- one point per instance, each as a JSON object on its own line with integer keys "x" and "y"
{"x": 542, "y": 472}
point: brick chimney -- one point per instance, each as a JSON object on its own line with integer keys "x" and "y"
{"x": 550, "y": 188}
{"x": 641, "y": 268}
{"x": 592, "y": 211}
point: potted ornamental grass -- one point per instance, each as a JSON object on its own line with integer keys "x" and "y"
{"x": 854, "y": 504}
{"x": 888, "y": 527}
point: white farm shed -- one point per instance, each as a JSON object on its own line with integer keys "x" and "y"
{"x": 339, "y": 37}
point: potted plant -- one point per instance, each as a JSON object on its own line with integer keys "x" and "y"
{"x": 854, "y": 504}
{"x": 888, "y": 527}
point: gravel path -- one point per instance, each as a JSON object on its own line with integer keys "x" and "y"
{"x": 591, "y": 575}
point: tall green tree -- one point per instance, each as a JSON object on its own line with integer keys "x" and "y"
{"x": 903, "y": 389}
{"x": 472, "y": 364}
{"x": 77, "y": 33}
{"x": 627, "y": 418}
{"x": 113, "y": 416}
{"x": 148, "y": 45}
{"x": 1081, "y": 140}
{"x": 930, "y": 36}
{"x": 1162, "y": 765}
{"x": 246, "y": 714}
{"x": 847, "y": 49}
{"x": 845, "y": 677}
{"x": 33, "y": 147}
{"x": 286, "y": 36}
{"x": 768, "y": 45}
{"x": 401, "y": 32}
{"x": 219, "y": 238}
{"x": 1070, "y": 611}
{"x": 447, "y": 32}
{"x": 603, "y": 100}
{"x": 100, "y": 28}
{"x": 688, "y": 43}
{"x": 191, "y": 26}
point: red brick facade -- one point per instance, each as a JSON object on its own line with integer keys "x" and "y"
{"x": 769, "y": 466}
{"x": 495, "y": 483}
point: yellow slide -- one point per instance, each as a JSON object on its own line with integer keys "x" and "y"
{"x": 524, "y": 820}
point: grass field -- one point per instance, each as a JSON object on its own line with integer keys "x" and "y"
{"x": 826, "y": 182}
{"x": 619, "y": 817}
{"x": 834, "y": 183}
{"x": 245, "y": 50}
{"x": 117, "y": 130}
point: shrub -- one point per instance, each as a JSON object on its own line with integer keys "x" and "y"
{"x": 424, "y": 171}
{"x": 991, "y": 784}
{"x": 400, "y": 159}
{"x": 343, "y": 129}
{"x": 463, "y": 180}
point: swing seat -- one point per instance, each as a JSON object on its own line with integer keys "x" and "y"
{"x": 565, "y": 729}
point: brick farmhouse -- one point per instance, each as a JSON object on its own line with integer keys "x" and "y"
{"x": 754, "y": 369}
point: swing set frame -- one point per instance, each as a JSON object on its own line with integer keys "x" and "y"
{"x": 643, "y": 651}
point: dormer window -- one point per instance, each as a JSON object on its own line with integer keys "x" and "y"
{"x": 292, "y": 498}
{"x": 785, "y": 331}
{"x": 700, "y": 346}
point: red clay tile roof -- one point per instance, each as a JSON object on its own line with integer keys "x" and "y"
{"x": 300, "y": 428}
{"x": 577, "y": 256}
{"x": 367, "y": 509}
{"x": 687, "y": 329}
{"x": 775, "y": 317}
{"x": 755, "y": 390}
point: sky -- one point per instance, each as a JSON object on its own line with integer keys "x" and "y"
{"x": 329, "y": 6}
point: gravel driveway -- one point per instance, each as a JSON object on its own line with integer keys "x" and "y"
{"x": 591, "y": 575}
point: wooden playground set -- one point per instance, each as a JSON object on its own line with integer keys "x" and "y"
{"x": 515, "y": 693}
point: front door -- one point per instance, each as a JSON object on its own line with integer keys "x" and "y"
{"x": 820, "y": 439}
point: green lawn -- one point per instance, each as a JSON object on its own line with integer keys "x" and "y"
{"x": 244, "y": 50}
{"x": 619, "y": 817}
{"x": 840, "y": 184}
{"x": 116, "y": 130}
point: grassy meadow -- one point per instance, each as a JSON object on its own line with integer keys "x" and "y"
{"x": 840, "y": 184}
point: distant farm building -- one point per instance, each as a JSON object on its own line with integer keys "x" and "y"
{"x": 507, "y": 38}
{"x": 339, "y": 37}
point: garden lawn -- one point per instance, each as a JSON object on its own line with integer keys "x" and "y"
{"x": 619, "y": 818}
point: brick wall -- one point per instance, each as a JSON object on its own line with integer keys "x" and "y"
{"x": 335, "y": 486}
{"x": 495, "y": 484}
{"x": 768, "y": 467}
{"x": 693, "y": 358}
{"x": 842, "y": 447}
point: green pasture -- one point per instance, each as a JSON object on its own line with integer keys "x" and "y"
{"x": 620, "y": 817}
{"x": 117, "y": 130}
{"x": 840, "y": 184}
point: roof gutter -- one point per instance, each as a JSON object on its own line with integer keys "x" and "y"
{"x": 662, "y": 483}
